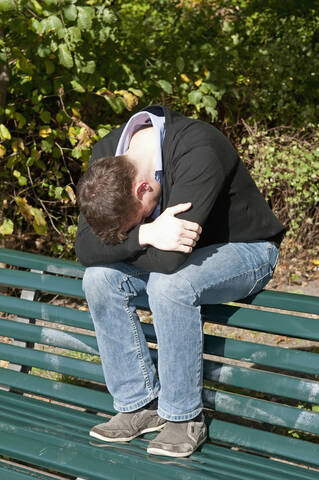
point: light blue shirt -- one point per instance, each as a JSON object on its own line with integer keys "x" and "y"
{"x": 136, "y": 122}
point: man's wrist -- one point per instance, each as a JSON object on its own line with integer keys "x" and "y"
{"x": 143, "y": 235}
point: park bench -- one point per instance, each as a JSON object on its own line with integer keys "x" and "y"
{"x": 258, "y": 398}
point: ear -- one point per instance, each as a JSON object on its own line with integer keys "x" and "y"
{"x": 142, "y": 188}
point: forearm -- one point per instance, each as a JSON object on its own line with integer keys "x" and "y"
{"x": 91, "y": 250}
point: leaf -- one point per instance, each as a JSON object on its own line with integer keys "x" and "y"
{"x": 24, "y": 208}
{"x": 85, "y": 17}
{"x": 185, "y": 78}
{"x": 209, "y": 101}
{"x": 7, "y": 227}
{"x": 166, "y": 86}
{"x": 2, "y": 151}
{"x": 65, "y": 57}
{"x": 195, "y": 97}
{"x": 22, "y": 181}
{"x": 6, "y": 5}
{"x": 71, "y": 194}
{"x": 74, "y": 34}
{"x": 180, "y": 64}
{"x": 45, "y": 132}
{"x": 315, "y": 261}
{"x": 39, "y": 223}
{"x": 70, "y": 12}
{"x": 52, "y": 23}
{"x": 116, "y": 103}
{"x": 77, "y": 87}
{"x": 136, "y": 92}
{"x": 129, "y": 99}
{"x": 4, "y": 133}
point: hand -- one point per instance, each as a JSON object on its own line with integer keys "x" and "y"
{"x": 170, "y": 233}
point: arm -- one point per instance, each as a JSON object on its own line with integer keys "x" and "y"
{"x": 199, "y": 177}
{"x": 91, "y": 250}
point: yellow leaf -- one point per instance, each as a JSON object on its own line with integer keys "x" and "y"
{"x": 129, "y": 98}
{"x": 206, "y": 72}
{"x": 24, "y": 208}
{"x": 45, "y": 132}
{"x": 76, "y": 112}
{"x": 2, "y": 151}
{"x": 71, "y": 194}
{"x": 185, "y": 78}
{"x": 315, "y": 261}
{"x": 7, "y": 227}
{"x": 198, "y": 82}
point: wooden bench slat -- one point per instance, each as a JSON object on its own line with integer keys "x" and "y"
{"x": 283, "y": 324}
{"x": 261, "y": 441}
{"x": 46, "y": 312}
{"x": 49, "y": 361}
{"x": 41, "y": 262}
{"x": 41, "y": 282}
{"x": 262, "y": 411}
{"x": 49, "y": 336}
{"x": 284, "y": 301}
{"x": 261, "y": 381}
{"x": 63, "y": 392}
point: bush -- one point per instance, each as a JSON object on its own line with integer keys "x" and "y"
{"x": 71, "y": 71}
{"x": 286, "y": 169}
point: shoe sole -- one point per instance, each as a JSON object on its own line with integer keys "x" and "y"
{"x": 167, "y": 453}
{"x": 126, "y": 439}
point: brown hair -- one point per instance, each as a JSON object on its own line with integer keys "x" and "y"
{"x": 106, "y": 199}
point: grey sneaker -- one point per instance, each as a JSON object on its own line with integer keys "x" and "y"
{"x": 123, "y": 427}
{"x": 179, "y": 439}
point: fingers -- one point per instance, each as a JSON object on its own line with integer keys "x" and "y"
{"x": 181, "y": 207}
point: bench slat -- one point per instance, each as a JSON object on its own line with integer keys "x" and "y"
{"x": 264, "y": 382}
{"x": 16, "y": 472}
{"x": 46, "y": 312}
{"x": 279, "y": 357}
{"x": 49, "y": 336}
{"x": 41, "y": 282}
{"x": 284, "y": 301}
{"x": 41, "y": 262}
{"x": 257, "y": 440}
{"x": 283, "y": 324}
{"x": 49, "y": 361}
{"x": 262, "y": 411}
{"x": 64, "y": 392}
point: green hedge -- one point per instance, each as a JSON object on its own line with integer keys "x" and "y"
{"x": 72, "y": 70}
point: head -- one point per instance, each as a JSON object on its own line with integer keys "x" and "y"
{"x": 113, "y": 199}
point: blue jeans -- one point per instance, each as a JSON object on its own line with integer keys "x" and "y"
{"x": 214, "y": 274}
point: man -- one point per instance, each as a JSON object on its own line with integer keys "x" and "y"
{"x": 169, "y": 209}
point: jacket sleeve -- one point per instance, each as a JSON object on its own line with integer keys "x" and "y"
{"x": 199, "y": 176}
{"x": 92, "y": 250}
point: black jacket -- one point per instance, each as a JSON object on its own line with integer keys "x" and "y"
{"x": 199, "y": 166}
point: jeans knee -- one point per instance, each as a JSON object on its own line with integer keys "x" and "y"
{"x": 173, "y": 287}
{"x": 96, "y": 278}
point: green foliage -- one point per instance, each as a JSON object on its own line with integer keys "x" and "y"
{"x": 77, "y": 68}
{"x": 286, "y": 169}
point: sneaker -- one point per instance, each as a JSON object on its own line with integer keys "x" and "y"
{"x": 123, "y": 427}
{"x": 179, "y": 439}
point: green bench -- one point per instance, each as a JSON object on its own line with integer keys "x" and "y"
{"x": 258, "y": 398}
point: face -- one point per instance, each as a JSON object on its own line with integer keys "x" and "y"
{"x": 149, "y": 198}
